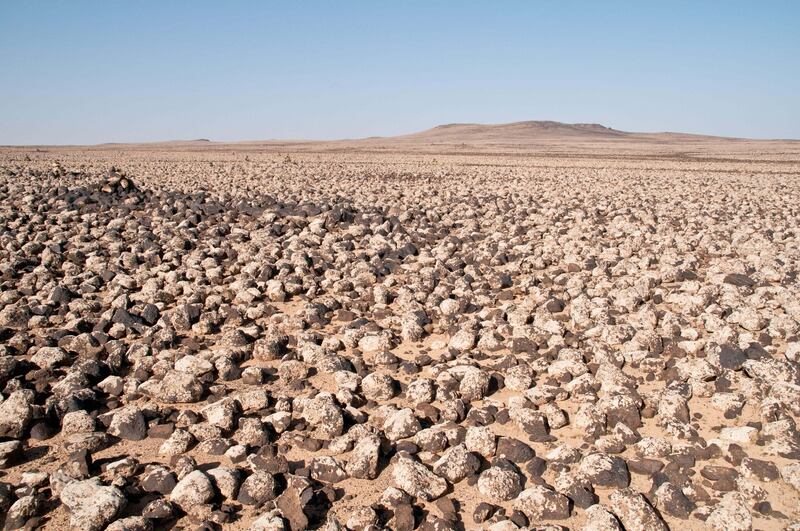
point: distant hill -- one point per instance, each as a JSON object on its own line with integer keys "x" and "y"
{"x": 530, "y": 132}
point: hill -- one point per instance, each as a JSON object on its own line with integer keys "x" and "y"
{"x": 532, "y": 131}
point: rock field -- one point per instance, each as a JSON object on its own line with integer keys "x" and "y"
{"x": 242, "y": 338}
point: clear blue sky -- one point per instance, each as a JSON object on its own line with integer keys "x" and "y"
{"x": 101, "y": 71}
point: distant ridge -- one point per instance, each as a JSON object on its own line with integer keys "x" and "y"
{"x": 158, "y": 142}
{"x": 532, "y": 131}
{"x": 532, "y": 125}
{"x": 516, "y": 132}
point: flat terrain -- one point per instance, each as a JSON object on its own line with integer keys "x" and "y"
{"x": 538, "y": 326}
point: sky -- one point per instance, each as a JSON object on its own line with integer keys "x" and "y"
{"x": 85, "y": 72}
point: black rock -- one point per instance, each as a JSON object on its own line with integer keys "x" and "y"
{"x": 671, "y": 500}
{"x": 514, "y": 450}
{"x": 646, "y": 467}
{"x": 483, "y": 511}
{"x": 581, "y": 496}
{"x": 717, "y": 473}
{"x": 519, "y": 518}
{"x": 158, "y": 480}
{"x": 739, "y": 280}
{"x": 763, "y": 470}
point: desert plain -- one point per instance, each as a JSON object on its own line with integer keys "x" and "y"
{"x": 530, "y": 326}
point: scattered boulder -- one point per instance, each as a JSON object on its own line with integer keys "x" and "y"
{"x": 128, "y": 423}
{"x": 634, "y": 512}
{"x": 456, "y": 464}
{"x": 541, "y": 503}
{"x": 91, "y": 505}
{"x": 193, "y": 491}
{"x": 500, "y": 482}
{"x": 417, "y": 480}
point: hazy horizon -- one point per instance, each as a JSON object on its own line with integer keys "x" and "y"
{"x": 247, "y": 140}
{"x": 97, "y": 72}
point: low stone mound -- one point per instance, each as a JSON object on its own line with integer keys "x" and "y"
{"x": 116, "y": 182}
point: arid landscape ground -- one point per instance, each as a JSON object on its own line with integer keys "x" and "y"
{"x": 531, "y": 326}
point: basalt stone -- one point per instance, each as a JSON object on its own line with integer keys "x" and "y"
{"x": 483, "y": 511}
{"x": 258, "y": 488}
{"x": 158, "y": 479}
{"x": 541, "y": 503}
{"x": 646, "y": 467}
{"x": 91, "y": 505}
{"x": 417, "y": 480}
{"x": 605, "y": 470}
{"x": 759, "y": 469}
{"x": 514, "y": 450}
{"x": 671, "y": 500}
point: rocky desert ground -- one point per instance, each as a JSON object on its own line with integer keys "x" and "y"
{"x": 580, "y": 332}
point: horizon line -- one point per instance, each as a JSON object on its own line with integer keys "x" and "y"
{"x": 210, "y": 140}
